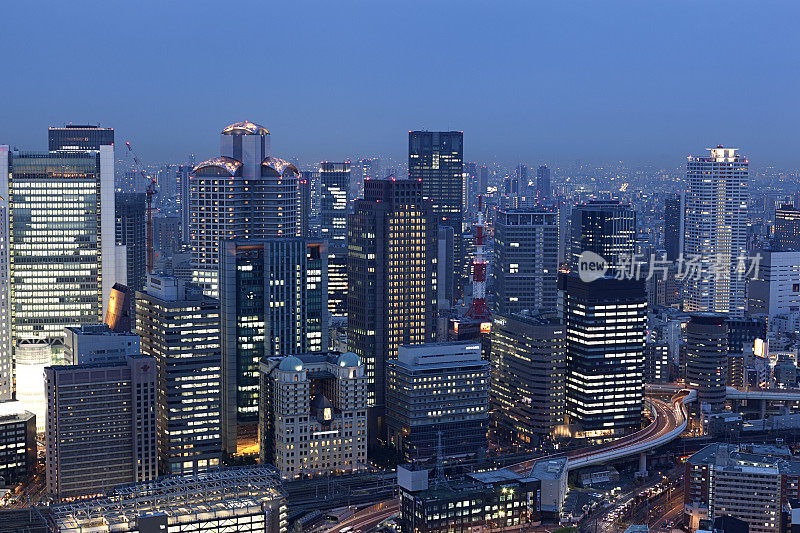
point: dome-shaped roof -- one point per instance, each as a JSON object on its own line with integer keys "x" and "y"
{"x": 227, "y": 164}
{"x": 245, "y": 128}
{"x": 291, "y": 364}
{"x": 348, "y": 359}
{"x": 278, "y": 165}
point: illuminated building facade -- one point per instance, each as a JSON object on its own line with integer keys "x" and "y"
{"x": 274, "y": 297}
{"x": 17, "y": 444}
{"x": 101, "y": 426}
{"x": 436, "y": 159}
{"x": 707, "y": 359}
{"x": 606, "y": 322}
{"x": 605, "y": 227}
{"x": 715, "y": 233}
{"x": 180, "y": 328}
{"x": 313, "y": 414}
{"x": 787, "y": 229}
{"x": 528, "y": 362}
{"x": 775, "y": 290}
{"x": 245, "y": 499}
{"x": 391, "y": 274}
{"x": 437, "y": 389}
{"x": 337, "y": 280}
{"x": 334, "y": 187}
{"x": 58, "y": 222}
{"x": 245, "y": 192}
{"x": 525, "y": 266}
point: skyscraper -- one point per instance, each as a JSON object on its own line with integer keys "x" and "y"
{"x": 335, "y": 186}
{"x": 180, "y": 328}
{"x": 79, "y": 137}
{"x": 246, "y": 192}
{"x": 528, "y": 371}
{"x": 543, "y": 189}
{"x": 101, "y": 426}
{"x": 606, "y": 321}
{"x": 525, "y": 266}
{"x": 337, "y": 280}
{"x": 716, "y": 230}
{"x": 58, "y": 217}
{"x": 304, "y": 186}
{"x": 130, "y": 231}
{"x": 707, "y": 359}
{"x": 274, "y": 298}
{"x": 674, "y": 207}
{"x": 437, "y": 389}
{"x": 436, "y": 160}
{"x": 787, "y": 229}
{"x": 391, "y": 275}
{"x": 607, "y": 228}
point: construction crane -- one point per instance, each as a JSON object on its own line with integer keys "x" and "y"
{"x": 149, "y": 193}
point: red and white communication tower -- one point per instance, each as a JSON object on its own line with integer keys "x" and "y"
{"x": 478, "y": 310}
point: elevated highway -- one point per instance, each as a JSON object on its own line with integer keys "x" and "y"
{"x": 669, "y": 420}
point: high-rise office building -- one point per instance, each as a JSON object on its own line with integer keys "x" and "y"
{"x": 313, "y": 414}
{"x": 58, "y": 210}
{"x": 274, "y": 300}
{"x": 543, "y": 188}
{"x": 180, "y": 329}
{"x": 715, "y": 235}
{"x": 656, "y": 362}
{"x": 337, "y": 280}
{"x": 435, "y": 158}
{"x": 17, "y": 444}
{"x": 483, "y": 179}
{"x": 334, "y": 181}
{"x": 606, "y": 321}
{"x": 605, "y": 227}
{"x": 245, "y": 192}
{"x": 528, "y": 361}
{"x": 79, "y": 137}
{"x": 101, "y": 426}
{"x": 525, "y": 265}
{"x": 182, "y": 177}
{"x": 776, "y": 288}
{"x": 437, "y": 389}
{"x": 131, "y": 232}
{"x": 391, "y": 272}
{"x": 707, "y": 359}
{"x": 166, "y": 235}
{"x": 304, "y": 187}
{"x": 787, "y": 228}
{"x": 674, "y": 207}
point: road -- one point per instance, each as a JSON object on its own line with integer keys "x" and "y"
{"x": 667, "y": 419}
{"x": 368, "y": 518}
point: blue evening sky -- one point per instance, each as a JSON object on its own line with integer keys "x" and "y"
{"x": 596, "y": 80}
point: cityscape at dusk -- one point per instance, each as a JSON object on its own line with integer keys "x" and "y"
{"x": 428, "y": 267}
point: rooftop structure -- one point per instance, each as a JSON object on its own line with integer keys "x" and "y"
{"x": 248, "y": 498}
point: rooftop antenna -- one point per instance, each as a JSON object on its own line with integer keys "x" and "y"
{"x": 440, "y": 481}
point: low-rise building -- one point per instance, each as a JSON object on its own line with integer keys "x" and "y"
{"x": 313, "y": 414}
{"x": 245, "y": 499}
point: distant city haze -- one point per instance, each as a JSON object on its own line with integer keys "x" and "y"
{"x": 525, "y": 81}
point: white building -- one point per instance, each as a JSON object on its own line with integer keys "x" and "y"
{"x": 245, "y": 192}
{"x": 715, "y": 231}
{"x": 98, "y": 344}
{"x": 313, "y": 414}
{"x": 57, "y": 249}
{"x": 776, "y": 290}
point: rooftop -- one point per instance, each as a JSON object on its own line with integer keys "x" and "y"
{"x": 245, "y": 128}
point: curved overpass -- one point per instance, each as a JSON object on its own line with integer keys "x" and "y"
{"x": 669, "y": 421}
